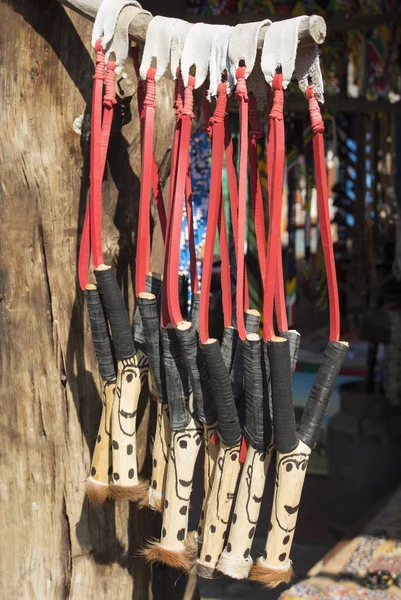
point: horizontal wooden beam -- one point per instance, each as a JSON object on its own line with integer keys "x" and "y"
{"x": 312, "y": 30}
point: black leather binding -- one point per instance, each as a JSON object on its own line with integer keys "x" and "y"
{"x": 173, "y": 364}
{"x": 100, "y": 335}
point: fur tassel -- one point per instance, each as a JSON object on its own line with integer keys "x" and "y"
{"x": 135, "y": 493}
{"x": 236, "y": 567}
{"x": 97, "y": 491}
{"x": 178, "y": 559}
{"x": 153, "y": 500}
{"x": 271, "y": 577}
{"x": 206, "y": 572}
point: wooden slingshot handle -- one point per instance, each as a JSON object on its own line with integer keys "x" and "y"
{"x": 175, "y": 547}
{"x": 125, "y": 481}
{"x": 218, "y": 509}
{"x": 97, "y": 486}
{"x": 274, "y": 566}
{"x": 209, "y": 468}
{"x": 161, "y": 451}
{"x": 235, "y": 560}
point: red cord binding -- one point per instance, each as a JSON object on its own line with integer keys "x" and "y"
{"x": 217, "y": 123}
{"x": 324, "y": 215}
{"x": 109, "y": 101}
{"x": 174, "y": 226}
{"x": 275, "y": 162}
{"x": 142, "y": 266}
{"x": 241, "y": 95}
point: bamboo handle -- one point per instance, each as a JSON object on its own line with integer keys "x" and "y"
{"x": 161, "y": 450}
{"x": 97, "y": 487}
{"x": 209, "y": 467}
{"x": 173, "y": 548}
{"x": 274, "y": 566}
{"x": 125, "y": 481}
{"x": 218, "y": 509}
{"x": 235, "y": 561}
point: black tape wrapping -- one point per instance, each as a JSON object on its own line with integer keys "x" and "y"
{"x": 267, "y": 396}
{"x": 228, "y": 345}
{"x": 311, "y": 420}
{"x": 100, "y": 335}
{"x": 183, "y": 294}
{"x": 201, "y": 389}
{"x": 227, "y": 417}
{"x": 285, "y": 436}
{"x": 237, "y": 370}
{"x": 254, "y": 397}
{"x": 194, "y": 310}
{"x": 173, "y": 365}
{"x": 294, "y": 339}
{"x": 147, "y": 307}
{"x": 116, "y": 312}
{"x": 153, "y": 286}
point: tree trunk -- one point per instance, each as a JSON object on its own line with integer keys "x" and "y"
{"x": 53, "y": 544}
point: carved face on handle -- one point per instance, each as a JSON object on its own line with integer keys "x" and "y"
{"x": 128, "y": 389}
{"x": 290, "y": 475}
{"x": 184, "y": 444}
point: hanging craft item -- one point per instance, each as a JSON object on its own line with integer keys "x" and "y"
{"x": 179, "y": 339}
{"x": 235, "y": 397}
{"x": 118, "y": 423}
{"x": 294, "y": 444}
{"x": 157, "y": 48}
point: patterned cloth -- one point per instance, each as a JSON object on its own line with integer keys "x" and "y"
{"x": 304, "y": 591}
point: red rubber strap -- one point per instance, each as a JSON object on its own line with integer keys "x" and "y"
{"x": 279, "y": 290}
{"x": 174, "y": 228}
{"x": 143, "y": 239}
{"x": 324, "y": 215}
{"x": 96, "y": 173}
{"x": 156, "y": 187}
{"x": 225, "y": 266}
{"x": 217, "y": 123}
{"x": 256, "y": 134}
{"x": 225, "y": 270}
{"x": 109, "y": 101}
{"x": 275, "y": 153}
{"x": 233, "y": 194}
{"x": 193, "y": 269}
{"x": 178, "y": 105}
{"x": 241, "y": 95}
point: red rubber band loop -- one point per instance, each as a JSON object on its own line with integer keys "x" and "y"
{"x": 217, "y": 124}
{"x": 142, "y": 266}
{"x": 275, "y": 161}
{"x": 242, "y": 98}
{"x": 324, "y": 215}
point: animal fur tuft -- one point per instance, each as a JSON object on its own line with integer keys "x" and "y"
{"x": 153, "y": 500}
{"x": 178, "y": 559}
{"x": 206, "y": 572}
{"x": 236, "y": 567}
{"x": 271, "y": 577}
{"x": 97, "y": 491}
{"x": 134, "y": 493}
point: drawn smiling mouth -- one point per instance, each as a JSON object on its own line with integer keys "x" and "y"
{"x": 128, "y": 415}
{"x": 291, "y": 509}
{"x": 185, "y": 483}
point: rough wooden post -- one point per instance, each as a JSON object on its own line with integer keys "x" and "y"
{"x": 53, "y": 544}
